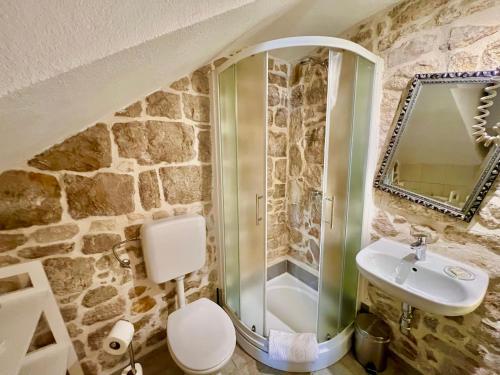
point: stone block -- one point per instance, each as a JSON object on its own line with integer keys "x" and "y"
{"x": 313, "y": 175}
{"x": 73, "y": 330}
{"x": 281, "y": 118}
{"x": 133, "y": 110}
{"x": 199, "y": 80}
{"x": 170, "y": 142}
{"x": 383, "y": 225}
{"x": 279, "y": 191}
{"x": 55, "y": 233}
{"x": 27, "y": 199}
{"x": 69, "y": 275}
{"x": 105, "y": 194}
{"x": 491, "y": 55}
{"x": 463, "y": 36}
{"x": 164, "y": 104}
{"x": 99, "y": 243}
{"x": 196, "y": 108}
{"x": 273, "y": 95}
{"x": 132, "y": 231}
{"x": 462, "y": 62}
{"x": 141, "y": 323}
{"x": 277, "y": 144}
{"x": 11, "y": 241}
{"x": 98, "y": 295}
{"x": 69, "y": 312}
{"x": 295, "y": 158}
{"x": 7, "y": 260}
{"x": 89, "y": 368}
{"x": 106, "y": 225}
{"x": 181, "y": 84}
{"x": 155, "y": 141}
{"x": 182, "y": 185}
{"x": 296, "y": 131}
{"x": 136, "y": 291}
{"x": 297, "y": 98}
{"x": 143, "y": 304}
{"x": 87, "y": 151}
{"x": 104, "y": 312}
{"x": 411, "y": 50}
{"x": 315, "y": 93}
{"x": 280, "y": 170}
{"x": 489, "y": 240}
{"x": 43, "y": 251}
{"x": 149, "y": 190}
{"x": 277, "y": 79}
{"x": 315, "y": 144}
{"x": 204, "y": 147}
{"x": 79, "y": 349}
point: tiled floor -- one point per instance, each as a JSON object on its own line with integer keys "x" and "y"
{"x": 159, "y": 362}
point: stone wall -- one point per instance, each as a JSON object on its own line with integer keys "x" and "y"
{"x": 437, "y": 36}
{"x": 296, "y": 132}
{"x": 72, "y": 202}
{"x": 308, "y": 86}
{"x": 278, "y": 243}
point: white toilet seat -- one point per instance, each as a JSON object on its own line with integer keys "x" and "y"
{"x": 201, "y": 337}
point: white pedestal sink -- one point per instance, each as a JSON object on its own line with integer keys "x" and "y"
{"x": 438, "y": 284}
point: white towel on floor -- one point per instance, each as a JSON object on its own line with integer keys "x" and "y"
{"x": 293, "y": 347}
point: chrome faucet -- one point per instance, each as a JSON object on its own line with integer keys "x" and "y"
{"x": 420, "y": 246}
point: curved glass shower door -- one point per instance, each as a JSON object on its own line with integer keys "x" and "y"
{"x": 349, "y": 107}
{"x": 294, "y": 131}
{"x": 229, "y": 172}
{"x": 242, "y": 111}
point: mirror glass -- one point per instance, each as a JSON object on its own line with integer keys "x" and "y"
{"x": 434, "y": 154}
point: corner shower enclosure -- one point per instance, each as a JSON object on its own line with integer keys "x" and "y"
{"x": 294, "y": 157}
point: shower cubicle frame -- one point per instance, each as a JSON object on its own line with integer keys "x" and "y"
{"x": 256, "y": 345}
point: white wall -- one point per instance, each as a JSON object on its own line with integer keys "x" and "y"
{"x": 44, "y": 38}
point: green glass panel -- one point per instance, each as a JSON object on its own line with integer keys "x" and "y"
{"x": 242, "y": 106}
{"x": 359, "y": 152}
{"x": 251, "y": 84}
{"x": 341, "y": 80}
{"x": 227, "y": 116}
{"x": 350, "y": 82}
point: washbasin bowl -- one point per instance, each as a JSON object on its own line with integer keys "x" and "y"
{"x": 438, "y": 284}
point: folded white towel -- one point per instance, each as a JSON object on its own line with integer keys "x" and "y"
{"x": 293, "y": 347}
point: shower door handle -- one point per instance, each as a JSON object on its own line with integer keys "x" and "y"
{"x": 332, "y": 201}
{"x": 258, "y": 218}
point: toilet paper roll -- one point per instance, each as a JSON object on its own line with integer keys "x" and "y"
{"x": 119, "y": 338}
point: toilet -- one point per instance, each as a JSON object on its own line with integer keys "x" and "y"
{"x": 200, "y": 335}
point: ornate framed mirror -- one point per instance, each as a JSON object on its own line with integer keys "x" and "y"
{"x": 444, "y": 152}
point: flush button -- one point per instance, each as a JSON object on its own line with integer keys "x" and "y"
{"x": 459, "y": 273}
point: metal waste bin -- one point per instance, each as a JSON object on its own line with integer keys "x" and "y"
{"x": 371, "y": 341}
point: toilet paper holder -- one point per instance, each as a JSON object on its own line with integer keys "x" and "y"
{"x": 121, "y": 335}
{"x": 134, "y": 367}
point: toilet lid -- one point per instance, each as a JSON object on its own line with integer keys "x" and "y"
{"x": 200, "y": 335}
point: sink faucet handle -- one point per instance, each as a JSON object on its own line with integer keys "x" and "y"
{"x": 421, "y": 239}
{"x": 420, "y": 246}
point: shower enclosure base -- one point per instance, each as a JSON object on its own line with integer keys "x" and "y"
{"x": 284, "y": 291}
{"x": 330, "y": 352}
{"x": 256, "y": 346}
